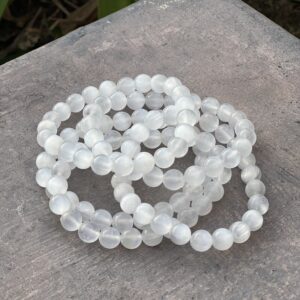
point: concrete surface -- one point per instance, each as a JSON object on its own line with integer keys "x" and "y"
{"x": 220, "y": 48}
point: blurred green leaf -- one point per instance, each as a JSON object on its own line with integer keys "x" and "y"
{"x": 106, "y": 7}
{"x": 3, "y": 5}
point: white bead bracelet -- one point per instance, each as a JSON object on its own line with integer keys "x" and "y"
{"x": 220, "y": 137}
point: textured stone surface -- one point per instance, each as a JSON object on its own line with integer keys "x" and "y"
{"x": 221, "y": 48}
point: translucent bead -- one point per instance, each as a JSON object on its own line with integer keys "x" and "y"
{"x": 246, "y": 161}
{"x": 161, "y": 224}
{"x": 197, "y": 100}
{"x": 224, "y": 134}
{"x": 235, "y": 117}
{"x": 92, "y": 137}
{"x": 122, "y": 221}
{"x": 114, "y": 138}
{"x": 88, "y": 233}
{"x": 92, "y": 109}
{"x": 163, "y": 208}
{"x": 63, "y": 109}
{"x": 253, "y": 219}
{"x": 180, "y": 91}
{"x": 139, "y": 132}
{"x": 115, "y": 180}
{"x": 164, "y": 158}
{"x": 151, "y": 238}
{"x": 118, "y": 101}
{"x": 208, "y": 122}
{"x": 202, "y": 205}
{"x": 154, "y": 100}
{"x": 131, "y": 239}
{"x": 130, "y": 202}
{"x": 67, "y": 151}
{"x": 170, "y": 84}
{"x": 122, "y": 121}
{"x": 110, "y": 238}
{"x": 126, "y": 85}
{"x": 143, "y": 83}
{"x": 44, "y": 160}
{"x": 130, "y": 148}
{"x": 240, "y": 232}
{"x": 102, "y": 147}
{"x": 101, "y": 219}
{"x": 153, "y": 178}
{"x": 83, "y": 158}
{"x": 123, "y": 165}
{"x": 214, "y": 166}
{"x": 225, "y": 176}
{"x": 138, "y": 115}
{"x": 214, "y": 190}
{"x": 121, "y": 189}
{"x": 104, "y": 103}
{"x": 210, "y": 105}
{"x": 170, "y": 115}
{"x": 205, "y": 141}
{"x": 222, "y": 239}
{"x": 70, "y": 135}
{"x": 259, "y": 203}
{"x": 52, "y": 144}
{"x": 57, "y": 185}
{"x": 178, "y": 147}
{"x": 168, "y": 100}
{"x": 144, "y": 214}
{"x": 187, "y": 116}
{"x": 47, "y": 124}
{"x": 136, "y": 100}
{"x": 250, "y": 173}
{"x": 102, "y": 165}
{"x": 242, "y": 145}
{"x": 185, "y": 103}
{"x": 201, "y": 240}
{"x": 173, "y": 180}
{"x": 88, "y": 123}
{"x": 225, "y": 111}
{"x": 194, "y": 176}
{"x": 76, "y": 102}
{"x": 154, "y": 139}
{"x": 243, "y": 124}
{"x": 42, "y": 176}
{"x": 254, "y": 187}
{"x": 248, "y": 134}
{"x": 157, "y": 83}
{"x": 180, "y": 234}
{"x": 86, "y": 210}
{"x": 231, "y": 158}
{"x": 154, "y": 119}
{"x": 179, "y": 201}
{"x": 186, "y": 132}
{"x": 61, "y": 168}
{"x": 188, "y": 216}
{"x": 107, "y": 88}
{"x": 71, "y": 220}
{"x": 167, "y": 134}
{"x": 74, "y": 200}
{"x": 59, "y": 204}
{"x": 52, "y": 116}
{"x": 89, "y": 94}
{"x": 43, "y": 136}
{"x": 144, "y": 162}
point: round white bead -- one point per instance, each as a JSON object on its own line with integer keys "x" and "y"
{"x": 59, "y": 204}
{"x": 130, "y": 202}
{"x": 151, "y": 238}
{"x": 253, "y": 219}
{"x": 164, "y": 158}
{"x": 110, "y": 238}
{"x": 101, "y": 219}
{"x": 89, "y": 94}
{"x": 161, "y": 224}
{"x": 57, "y": 185}
{"x": 173, "y": 180}
{"x": 122, "y": 121}
{"x": 43, "y": 176}
{"x": 222, "y": 239}
{"x": 118, "y": 101}
{"x": 107, "y": 88}
{"x": 254, "y": 187}
{"x": 154, "y": 178}
{"x": 52, "y": 144}
{"x": 180, "y": 234}
{"x": 139, "y": 132}
{"x": 76, "y": 102}
{"x": 126, "y": 85}
{"x": 144, "y": 162}
{"x": 63, "y": 109}
{"x": 201, "y": 240}
{"x": 71, "y": 220}
{"x": 122, "y": 221}
{"x": 88, "y": 233}
{"x": 240, "y": 232}
{"x": 144, "y": 214}
{"x": 143, "y": 83}
{"x": 83, "y": 158}
{"x": 259, "y": 203}
{"x": 131, "y": 239}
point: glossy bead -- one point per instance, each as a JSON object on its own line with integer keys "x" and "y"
{"x": 88, "y": 233}
{"x": 144, "y": 214}
{"x": 139, "y": 132}
{"x": 101, "y": 219}
{"x": 154, "y": 178}
{"x": 92, "y": 137}
{"x": 179, "y": 201}
{"x": 52, "y": 116}
{"x": 126, "y": 85}
{"x": 52, "y": 144}
{"x": 61, "y": 168}
{"x": 180, "y": 234}
{"x": 243, "y": 124}
{"x": 89, "y": 94}
{"x": 188, "y": 216}
{"x": 83, "y": 158}
{"x": 70, "y": 135}
{"x": 246, "y": 161}
{"x": 59, "y": 204}
{"x": 130, "y": 202}
{"x": 186, "y": 132}
{"x": 259, "y": 203}
{"x": 71, "y": 220}
{"x": 57, "y": 185}
{"x": 154, "y": 100}
{"x": 123, "y": 165}
{"x": 131, "y": 239}
{"x": 161, "y": 224}
{"x": 130, "y": 148}
{"x": 143, "y": 83}
{"x": 205, "y": 141}
{"x": 154, "y": 139}
{"x": 173, "y": 180}
{"x": 118, "y": 101}
{"x": 43, "y": 136}
{"x": 243, "y": 146}
{"x": 231, "y": 158}
{"x": 170, "y": 84}
{"x": 44, "y": 160}
{"x": 121, "y": 189}
{"x": 154, "y": 119}
{"x": 235, "y": 117}
{"x": 214, "y": 166}
{"x": 184, "y": 103}
{"x": 222, "y": 239}
{"x": 114, "y": 138}
{"x": 144, "y": 162}
{"x": 151, "y": 238}
{"x": 63, "y": 109}
{"x": 225, "y": 111}
{"x": 214, "y": 190}
{"x": 201, "y": 240}
{"x": 107, "y": 88}
{"x": 167, "y": 134}
{"x": 240, "y": 232}
{"x": 110, "y": 238}
{"x": 86, "y": 210}
{"x": 254, "y": 187}
{"x": 164, "y": 158}
{"x": 253, "y": 219}
{"x": 102, "y": 147}
{"x": 194, "y": 176}
{"x": 208, "y": 122}
{"x": 224, "y": 134}
{"x": 74, "y": 200}
{"x": 163, "y": 208}
{"x": 42, "y": 176}
{"x": 76, "y": 102}
{"x": 122, "y": 121}
{"x": 122, "y": 221}
{"x": 250, "y": 173}
{"x": 47, "y": 124}
{"x": 203, "y": 209}
{"x": 187, "y": 116}
{"x": 157, "y": 83}
{"x": 104, "y": 103}
{"x": 138, "y": 116}
{"x": 180, "y": 91}
{"x": 225, "y": 176}
{"x": 178, "y": 147}
{"x": 102, "y": 165}
{"x": 170, "y": 115}
{"x": 210, "y": 105}
{"x": 248, "y": 134}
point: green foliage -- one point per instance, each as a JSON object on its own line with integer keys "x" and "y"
{"x": 3, "y": 5}
{"x": 106, "y": 7}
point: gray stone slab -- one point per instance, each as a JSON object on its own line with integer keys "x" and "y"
{"x": 219, "y": 48}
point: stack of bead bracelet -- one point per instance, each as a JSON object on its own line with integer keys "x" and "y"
{"x": 161, "y": 111}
